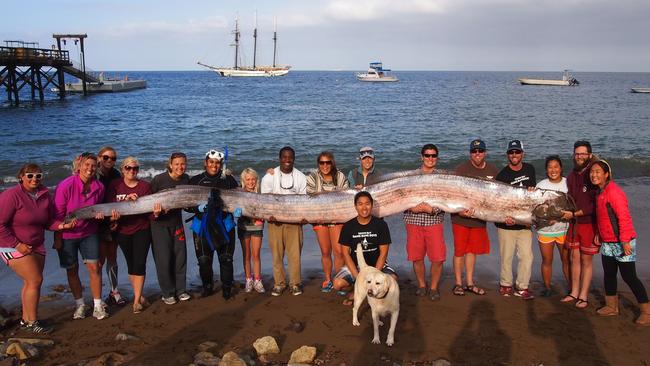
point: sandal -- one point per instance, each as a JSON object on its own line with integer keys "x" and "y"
{"x": 458, "y": 290}
{"x": 581, "y": 304}
{"x": 421, "y": 291}
{"x": 475, "y": 290}
{"x": 569, "y": 298}
{"x": 434, "y": 295}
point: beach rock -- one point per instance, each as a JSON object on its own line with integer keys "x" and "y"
{"x": 107, "y": 359}
{"x": 21, "y": 351}
{"x": 206, "y": 346}
{"x": 441, "y": 362}
{"x": 206, "y": 359}
{"x": 231, "y": 359}
{"x": 266, "y": 345}
{"x": 39, "y": 342}
{"x": 297, "y": 326}
{"x": 304, "y": 354}
{"x": 126, "y": 337}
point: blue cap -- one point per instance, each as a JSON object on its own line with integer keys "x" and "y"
{"x": 515, "y": 145}
{"x": 477, "y": 144}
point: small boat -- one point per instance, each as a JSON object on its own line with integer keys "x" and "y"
{"x": 105, "y": 85}
{"x": 567, "y": 80}
{"x": 376, "y": 73}
{"x": 640, "y": 90}
{"x": 255, "y": 70}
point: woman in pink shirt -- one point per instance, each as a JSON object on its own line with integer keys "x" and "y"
{"x": 26, "y": 211}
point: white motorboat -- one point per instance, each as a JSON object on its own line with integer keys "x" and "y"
{"x": 376, "y": 73}
{"x": 640, "y": 90}
{"x": 247, "y": 71}
{"x": 567, "y": 80}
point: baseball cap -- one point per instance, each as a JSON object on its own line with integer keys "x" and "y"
{"x": 477, "y": 144}
{"x": 366, "y": 152}
{"x": 515, "y": 145}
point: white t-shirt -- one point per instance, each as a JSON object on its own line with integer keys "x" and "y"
{"x": 559, "y": 228}
{"x": 281, "y": 183}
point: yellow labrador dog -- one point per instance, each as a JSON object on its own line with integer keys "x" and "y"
{"x": 382, "y": 292}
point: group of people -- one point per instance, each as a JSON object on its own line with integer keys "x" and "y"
{"x": 600, "y": 223}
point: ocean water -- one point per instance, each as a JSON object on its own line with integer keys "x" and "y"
{"x": 194, "y": 112}
{"x": 314, "y": 111}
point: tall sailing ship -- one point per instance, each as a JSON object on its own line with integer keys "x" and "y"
{"x": 247, "y": 71}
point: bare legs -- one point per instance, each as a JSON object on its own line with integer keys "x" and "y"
{"x": 547, "y": 262}
{"x": 30, "y": 269}
{"x": 95, "y": 280}
{"x": 328, "y": 240}
{"x": 138, "y": 284}
{"x": 467, "y": 262}
{"x": 420, "y": 271}
{"x": 251, "y": 246}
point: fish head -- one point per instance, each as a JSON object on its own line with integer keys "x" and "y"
{"x": 551, "y": 209}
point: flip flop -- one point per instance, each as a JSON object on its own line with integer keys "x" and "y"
{"x": 458, "y": 290}
{"x": 475, "y": 290}
{"x": 569, "y": 298}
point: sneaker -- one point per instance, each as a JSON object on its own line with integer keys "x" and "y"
{"x": 259, "y": 286}
{"x": 80, "y": 312}
{"x": 169, "y": 300}
{"x": 277, "y": 290}
{"x": 296, "y": 290}
{"x": 100, "y": 313}
{"x": 249, "y": 285}
{"x": 207, "y": 290}
{"x": 506, "y": 291}
{"x": 226, "y": 293}
{"x": 524, "y": 294}
{"x": 36, "y": 327}
{"x": 115, "y": 298}
{"x": 184, "y": 296}
{"x": 327, "y": 286}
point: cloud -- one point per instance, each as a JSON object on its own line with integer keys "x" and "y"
{"x": 165, "y": 28}
{"x": 377, "y": 9}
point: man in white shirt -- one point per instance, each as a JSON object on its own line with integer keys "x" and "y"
{"x": 283, "y": 237}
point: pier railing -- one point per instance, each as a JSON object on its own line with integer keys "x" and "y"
{"x": 26, "y": 56}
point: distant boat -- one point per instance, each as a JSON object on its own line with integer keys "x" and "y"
{"x": 376, "y": 73}
{"x": 567, "y": 80}
{"x": 254, "y": 71}
{"x": 640, "y": 90}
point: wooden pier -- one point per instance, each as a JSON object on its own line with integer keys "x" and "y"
{"x": 24, "y": 65}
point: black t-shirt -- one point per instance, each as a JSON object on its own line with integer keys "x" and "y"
{"x": 370, "y": 236}
{"x": 107, "y": 179}
{"x": 524, "y": 177}
{"x": 163, "y": 181}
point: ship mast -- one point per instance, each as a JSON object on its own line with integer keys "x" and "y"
{"x": 275, "y": 38}
{"x": 236, "y": 32}
{"x": 255, "y": 41}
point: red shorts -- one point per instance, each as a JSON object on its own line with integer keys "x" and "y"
{"x": 472, "y": 240}
{"x": 582, "y": 236}
{"x": 429, "y": 240}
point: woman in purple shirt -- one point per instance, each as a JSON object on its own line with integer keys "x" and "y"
{"x": 80, "y": 190}
{"x": 26, "y": 211}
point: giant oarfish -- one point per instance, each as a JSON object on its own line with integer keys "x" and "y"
{"x": 490, "y": 201}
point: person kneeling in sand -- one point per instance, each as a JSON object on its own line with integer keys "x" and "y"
{"x": 373, "y": 235}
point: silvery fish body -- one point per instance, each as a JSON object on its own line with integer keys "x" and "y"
{"x": 490, "y": 200}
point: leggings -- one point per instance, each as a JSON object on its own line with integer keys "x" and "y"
{"x": 628, "y": 271}
{"x": 136, "y": 249}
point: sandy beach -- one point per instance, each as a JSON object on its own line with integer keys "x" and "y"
{"x": 469, "y": 330}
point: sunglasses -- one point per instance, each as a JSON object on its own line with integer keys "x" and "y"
{"x": 37, "y": 176}
{"x": 514, "y": 152}
{"x": 107, "y": 158}
{"x": 325, "y": 162}
{"x": 477, "y": 151}
{"x": 430, "y": 155}
{"x": 134, "y": 168}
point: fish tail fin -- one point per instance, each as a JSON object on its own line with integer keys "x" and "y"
{"x": 361, "y": 261}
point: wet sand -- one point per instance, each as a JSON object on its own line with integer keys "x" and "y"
{"x": 465, "y": 330}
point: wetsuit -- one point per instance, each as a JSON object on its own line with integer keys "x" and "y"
{"x": 225, "y": 248}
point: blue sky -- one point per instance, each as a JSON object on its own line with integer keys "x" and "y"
{"x": 583, "y": 35}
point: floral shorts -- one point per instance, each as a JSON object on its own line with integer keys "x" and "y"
{"x": 616, "y": 250}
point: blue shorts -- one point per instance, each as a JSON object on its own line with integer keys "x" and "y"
{"x": 88, "y": 246}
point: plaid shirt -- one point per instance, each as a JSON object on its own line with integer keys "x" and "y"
{"x": 423, "y": 218}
